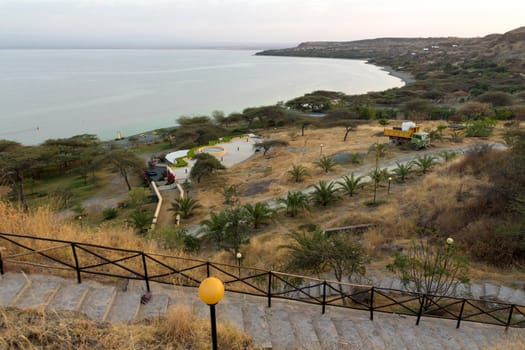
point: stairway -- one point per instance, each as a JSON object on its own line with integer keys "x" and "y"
{"x": 286, "y": 325}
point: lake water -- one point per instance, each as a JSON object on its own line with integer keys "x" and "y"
{"x": 60, "y": 93}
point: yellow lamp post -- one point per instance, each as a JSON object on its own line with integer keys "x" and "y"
{"x": 211, "y": 291}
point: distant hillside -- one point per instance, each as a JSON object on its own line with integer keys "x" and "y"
{"x": 506, "y": 49}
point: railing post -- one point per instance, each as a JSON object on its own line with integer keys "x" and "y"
{"x": 420, "y": 312}
{"x": 510, "y": 318}
{"x": 207, "y": 269}
{"x": 1, "y": 262}
{"x": 461, "y": 313}
{"x": 372, "y": 304}
{"x": 324, "y": 297}
{"x": 146, "y": 278}
{"x": 270, "y": 289}
{"x": 77, "y": 267}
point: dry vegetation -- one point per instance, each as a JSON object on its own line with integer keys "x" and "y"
{"x": 180, "y": 329}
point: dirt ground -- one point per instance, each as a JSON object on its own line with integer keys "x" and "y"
{"x": 266, "y": 177}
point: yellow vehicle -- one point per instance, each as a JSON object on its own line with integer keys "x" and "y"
{"x": 408, "y": 132}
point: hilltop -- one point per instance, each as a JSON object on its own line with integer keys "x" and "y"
{"x": 507, "y": 49}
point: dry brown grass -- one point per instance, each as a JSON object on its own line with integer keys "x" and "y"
{"x": 180, "y": 329}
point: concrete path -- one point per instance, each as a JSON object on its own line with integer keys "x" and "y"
{"x": 287, "y": 325}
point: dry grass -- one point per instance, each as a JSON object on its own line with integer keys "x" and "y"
{"x": 180, "y": 329}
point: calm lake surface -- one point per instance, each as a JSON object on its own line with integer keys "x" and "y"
{"x": 60, "y": 93}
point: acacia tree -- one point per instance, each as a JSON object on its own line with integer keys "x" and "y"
{"x": 125, "y": 162}
{"x": 268, "y": 144}
{"x": 16, "y": 163}
{"x": 205, "y": 165}
{"x": 433, "y": 270}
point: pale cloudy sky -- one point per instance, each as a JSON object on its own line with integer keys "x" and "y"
{"x": 208, "y": 22}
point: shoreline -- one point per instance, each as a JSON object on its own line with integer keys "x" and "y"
{"x": 406, "y": 77}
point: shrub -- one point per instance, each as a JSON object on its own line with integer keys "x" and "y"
{"x": 109, "y": 213}
{"x": 480, "y": 128}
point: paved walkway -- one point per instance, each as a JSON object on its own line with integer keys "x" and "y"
{"x": 287, "y": 325}
{"x": 237, "y": 151}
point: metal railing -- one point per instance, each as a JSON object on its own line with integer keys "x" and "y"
{"x": 108, "y": 262}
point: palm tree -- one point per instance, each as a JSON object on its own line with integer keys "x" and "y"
{"x": 324, "y": 193}
{"x": 425, "y": 163}
{"x": 448, "y": 155}
{"x": 215, "y": 226}
{"x": 403, "y": 170}
{"x": 377, "y": 175}
{"x": 298, "y": 172}
{"x": 349, "y": 184}
{"x": 140, "y": 219}
{"x": 258, "y": 213}
{"x": 295, "y": 201}
{"x": 326, "y": 163}
{"x": 184, "y": 206}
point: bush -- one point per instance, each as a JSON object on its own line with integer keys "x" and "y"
{"x": 109, "y": 213}
{"x": 480, "y": 128}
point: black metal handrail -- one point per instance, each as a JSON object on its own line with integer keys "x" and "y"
{"x": 153, "y": 267}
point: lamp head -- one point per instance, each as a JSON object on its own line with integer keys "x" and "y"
{"x": 211, "y": 290}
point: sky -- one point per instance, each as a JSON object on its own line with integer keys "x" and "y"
{"x": 180, "y": 23}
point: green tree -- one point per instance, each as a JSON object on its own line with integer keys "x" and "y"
{"x": 402, "y": 170}
{"x": 215, "y": 227}
{"x": 185, "y": 206}
{"x": 429, "y": 269}
{"x": 315, "y": 252}
{"x": 295, "y": 201}
{"x": 298, "y": 172}
{"x": 229, "y": 228}
{"x": 125, "y": 162}
{"x": 140, "y": 219}
{"x": 447, "y": 156}
{"x": 230, "y": 194}
{"x": 269, "y": 144}
{"x": 325, "y": 163}
{"x": 425, "y": 163}
{"x": 258, "y": 213}
{"x": 138, "y": 196}
{"x": 350, "y": 184}
{"x": 324, "y": 193}
{"x": 205, "y": 165}
{"x": 17, "y": 162}
{"x": 377, "y": 175}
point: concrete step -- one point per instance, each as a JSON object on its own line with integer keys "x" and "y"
{"x": 11, "y": 285}
{"x": 305, "y": 334}
{"x": 98, "y": 302}
{"x": 232, "y": 312}
{"x": 37, "y": 295}
{"x": 370, "y": 334}
{"x": 348, "y": 334}
{"x": 281, "y": 330}
{"x": 69, "y": 297}
{"x": 157, "y": 306}
{"x": 125, "y": 306}
{"x": 326, "y": 332}
{"x": 256, "y": 324}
